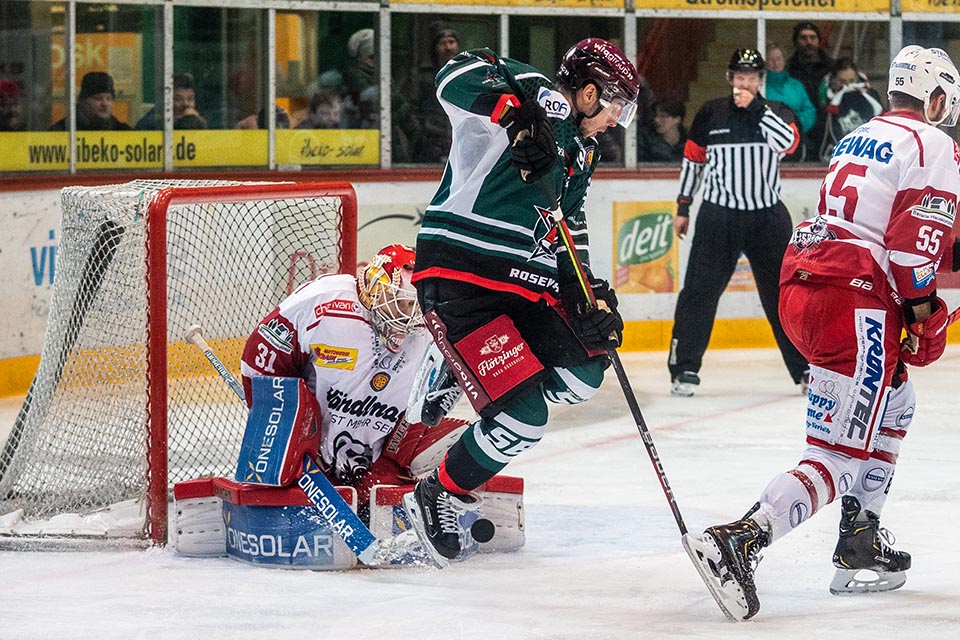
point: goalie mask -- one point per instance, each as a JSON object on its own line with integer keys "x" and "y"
{"x": 918, "y": 72}
{"x": 597, "y": 61}
{"x": 384, "y": 288}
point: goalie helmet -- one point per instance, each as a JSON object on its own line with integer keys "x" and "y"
{"x": 918, "y": 72}
{"x": 384, "y": 288}
{"x": 600, "y": 62}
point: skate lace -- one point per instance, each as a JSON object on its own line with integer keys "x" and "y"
{"x": 450, "y": 508}
{"x": 886, "y": 539}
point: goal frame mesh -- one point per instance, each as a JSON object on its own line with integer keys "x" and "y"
{"x": 157, "y": 388}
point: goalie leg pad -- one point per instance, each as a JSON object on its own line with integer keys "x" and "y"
{"x": 283, "y": 426}
{"x": 199, "y": 531}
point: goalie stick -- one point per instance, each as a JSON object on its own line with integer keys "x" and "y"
{"x": 99, "y": 259}
{"x": 332, "y": 507}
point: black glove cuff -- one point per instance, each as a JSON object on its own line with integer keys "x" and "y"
{"x": 683, "y": 208}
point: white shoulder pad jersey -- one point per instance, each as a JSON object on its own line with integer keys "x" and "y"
{"x": 323, "y": 334}
{"x": 887, "y": 206}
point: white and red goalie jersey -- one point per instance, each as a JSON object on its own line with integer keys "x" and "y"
{"x": 323, "y": 334}
{"x": 886, "y": 210}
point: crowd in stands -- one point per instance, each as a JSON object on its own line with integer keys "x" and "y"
{"x": 829, "y": 98}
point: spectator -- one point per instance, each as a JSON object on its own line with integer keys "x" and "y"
{"x": 95, "y": 106}
{"x": 846, "y": 102}
{"x": 324, "y": 111}
{"x": 734, "y": 152}
{"x": 665, "y": 139}
{"x": 433, "y": 132}
{"x": 361, "y": 71}
{"x": 259, "y": 121}
{"x": 11, "y": 106}
{"x": 185, "y": 114}
{"x": 809, "y": 61}
{"x": 782, "y": 87}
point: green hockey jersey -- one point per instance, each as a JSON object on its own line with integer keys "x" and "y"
{"x": 485, "y": 225}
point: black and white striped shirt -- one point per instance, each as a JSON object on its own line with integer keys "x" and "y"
{"x": 735, "y": 153}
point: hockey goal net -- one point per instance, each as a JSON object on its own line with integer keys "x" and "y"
{"x": 121, "y": 406}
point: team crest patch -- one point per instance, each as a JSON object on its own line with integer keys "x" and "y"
{"x": 333, "y": 357}
{"x": 922, "y": 276}
{"x": 493, "y": 344}
{"x": 379, "y": 382}
{"x": 277, "y": 334}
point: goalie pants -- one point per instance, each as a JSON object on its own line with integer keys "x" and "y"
{"x": 720, "y": 236}
{"x": 859, "y": 405}
{"x": 570, "y": 376}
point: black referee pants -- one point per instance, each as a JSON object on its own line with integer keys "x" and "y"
{"x": 721, "y": 234}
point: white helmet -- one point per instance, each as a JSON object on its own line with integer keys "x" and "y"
{"x": 384, "y": 288}
{"x": 918, "y": 72}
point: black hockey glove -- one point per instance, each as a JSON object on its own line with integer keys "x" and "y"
{"x": 532, "y": 145}
{"x": 600, "y": 327}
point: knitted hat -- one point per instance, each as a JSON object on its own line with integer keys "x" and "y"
{"x": 804, "y": 25}
{"x": 96, "y": 82}
{"x": 361, "y": 43}
{"x": 439, "y": 30}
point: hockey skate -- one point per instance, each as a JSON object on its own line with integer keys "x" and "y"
{"x": 726, "y": 557}
{"x": 685, "y": 384}
{"x": 435, "y": 390}
{"x": 863, "y": 546}
{"x": 442, "y": 520}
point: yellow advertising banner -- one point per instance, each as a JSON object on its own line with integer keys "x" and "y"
{"x": 645, "y": 255}
{"x": 34, "y": 151}
{"x": 930, "y": 6}
{"x": 328, "y": 147}
{"x": 220, "y": 148}
{"x": 574, "y": 4}
{"x": 851, "y": 6}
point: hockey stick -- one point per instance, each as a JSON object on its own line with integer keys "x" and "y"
{"x": 99, "y": 259}
{"x": 584, "y": 283}
{"x": 332, "y": 507}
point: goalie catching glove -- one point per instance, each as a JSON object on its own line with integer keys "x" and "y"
{"x": 532, "y": 145}
{"x": 599, "y": 327}
{"x": 926, "y": 339}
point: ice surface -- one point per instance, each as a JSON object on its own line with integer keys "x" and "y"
{"x": 603, "y": 556}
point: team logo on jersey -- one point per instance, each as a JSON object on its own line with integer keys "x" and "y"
{"x": 553, "y": 103}
{"x": 544, "y": 235}
{"x": 352, "y": 457}
{"x": 493, "y": 344}
{"x": 333, "y": 357}
{"x": 277, "y": 334}
{"x": 806, "y": 238}
{"x": 379, "y": 381}
{"x": 336, "y": 306}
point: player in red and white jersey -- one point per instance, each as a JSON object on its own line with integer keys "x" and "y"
{"x": 853, "y": 279}
{"x": 357, "y": 342}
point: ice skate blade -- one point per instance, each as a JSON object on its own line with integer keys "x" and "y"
{"x": 729, "y": 597}
{"x": 846, "y": 582}
{"x": 413, "y": 512}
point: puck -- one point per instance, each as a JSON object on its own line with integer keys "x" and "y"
{"x": 482, "y": 530}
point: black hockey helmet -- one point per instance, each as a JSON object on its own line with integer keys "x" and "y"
{"x": 600, "y": 62}
{"x": 746, "y": 60}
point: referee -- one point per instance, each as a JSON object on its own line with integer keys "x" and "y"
{"x": 733, "y": 151}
